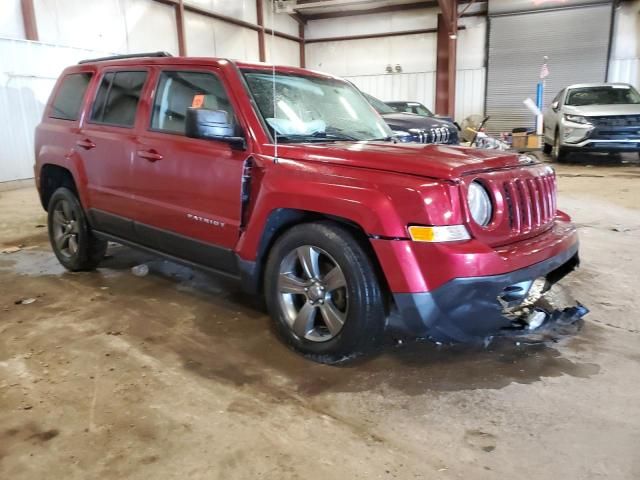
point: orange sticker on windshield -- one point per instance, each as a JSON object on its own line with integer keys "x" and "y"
{"x": 198, "y": 101}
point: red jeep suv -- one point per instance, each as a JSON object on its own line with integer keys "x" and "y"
{"x": 289, "y": 181}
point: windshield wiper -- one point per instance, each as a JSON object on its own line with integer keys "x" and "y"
{"x": 317, "y": 137}
{"x": 384, "y": 139}
{"x": 334, "y": 136}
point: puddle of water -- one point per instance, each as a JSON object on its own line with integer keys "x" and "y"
{"x": 32, "y": 262}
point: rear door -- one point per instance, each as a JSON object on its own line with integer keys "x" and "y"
{"x": 106, "y": 144}
{"x": 188, "y": 190}
{"x": 57, "y": 134}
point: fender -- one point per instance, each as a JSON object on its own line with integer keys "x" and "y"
{"x": 70, "y": 161}
{"x": 382, "y": 206}
{"x": 52, "y": 153}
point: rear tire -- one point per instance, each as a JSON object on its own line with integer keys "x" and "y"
{"x": 323, "y": 294}
{"x": 71, "y": 238}
{"x": 546, "y": 148}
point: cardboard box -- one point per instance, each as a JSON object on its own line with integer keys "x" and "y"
{"x": 533, "y": 141}
{"x": 519, "y": 140}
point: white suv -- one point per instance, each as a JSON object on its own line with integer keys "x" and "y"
{"x": 593, "y": 117}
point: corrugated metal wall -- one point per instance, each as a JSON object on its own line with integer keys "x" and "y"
{"x": 28, "y": 71}
{"x": 576, "y": 41}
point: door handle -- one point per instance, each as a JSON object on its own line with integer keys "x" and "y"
{"x": 150, "y": 155}
{"x": 86, "y": 144}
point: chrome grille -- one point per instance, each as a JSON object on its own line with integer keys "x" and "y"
{"x": 437, "y": 135}
{"x": 616, "y": 121}
{"x": 531, "y": 202}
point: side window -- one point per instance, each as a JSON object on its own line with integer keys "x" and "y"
{"x": 178, "y": 91}
{"x": 117, "y": 99}
{"x": 556, "y": 98}
{"x": 564, "y": 96}
{"x": 68, "y": 101}
{"x": 559, "y": 96}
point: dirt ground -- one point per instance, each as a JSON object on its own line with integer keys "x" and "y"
{"x": 178, "y": 375}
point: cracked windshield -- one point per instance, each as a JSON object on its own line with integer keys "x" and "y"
{"x": 311, "y": 109}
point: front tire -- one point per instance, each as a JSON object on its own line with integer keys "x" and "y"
{"x": 71, "y": 238}
{"x": 323, "y": 293}
{"x": 558, "y": 153}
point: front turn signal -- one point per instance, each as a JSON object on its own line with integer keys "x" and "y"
{"x": 441, "y": 233}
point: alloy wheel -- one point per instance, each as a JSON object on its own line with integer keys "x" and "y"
{"x": 312, "y": 291}
{"x": 65, "y": 229}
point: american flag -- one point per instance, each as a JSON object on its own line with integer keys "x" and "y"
{"x": 544, "y": 71}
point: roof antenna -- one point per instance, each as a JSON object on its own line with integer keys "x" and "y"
{"x": 273, "y": 80}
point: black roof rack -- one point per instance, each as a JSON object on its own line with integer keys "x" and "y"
{"x": 128, "y": 55}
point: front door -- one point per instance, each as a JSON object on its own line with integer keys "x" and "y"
{"x": 188, "y": 190}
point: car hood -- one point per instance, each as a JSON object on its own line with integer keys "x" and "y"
{"x": 433, "y": 161}
{"x": 405, "y": 121}
{"x": 602, "y": 110}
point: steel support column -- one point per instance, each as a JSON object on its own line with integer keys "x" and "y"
{"x": 446, "y": 58}
{"x": 303, "y": 58}
{"x": 29, "y": 19}
{"x": 261, "y": 41}
{"x": 182, "y": 41}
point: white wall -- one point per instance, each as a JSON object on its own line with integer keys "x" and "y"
{"x": 113, "y": 25}
{"x": 625, "y": 54}
{"x": 208, "y": 37}
{"x": 240, "y": 9}
{"x": 372, "y": 23}
{"x": 11, "y": 24}
{"x": 419, "y": 87}
{"x": 471, "y": 67}
{"x": 129, "y": 26}
{"x": 28, "y": 72}
{"x": 353, "y": 58}
{"x": 282, "y": 51}
{"x": 281, "y": 22}
{"x": 364, "y": 61}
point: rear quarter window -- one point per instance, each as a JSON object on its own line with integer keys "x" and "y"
{"x": 69, "y": 97}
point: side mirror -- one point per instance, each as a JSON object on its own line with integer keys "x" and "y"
{"x": 212, "y": 125}
{"x": 555, "y": 106}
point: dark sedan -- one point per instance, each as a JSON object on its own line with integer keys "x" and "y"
{"x": 411, "y": 127}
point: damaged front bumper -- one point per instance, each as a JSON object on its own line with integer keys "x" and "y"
{"x": 471, "y": 309}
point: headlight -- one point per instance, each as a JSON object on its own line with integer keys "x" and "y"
{"x": 577, "y": 119}
{"x": 479, "y": 204}
{"x": 401, "y": 133}
{"x": 402, "y": 136}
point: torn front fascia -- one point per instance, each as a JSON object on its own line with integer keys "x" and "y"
{"x": 560, "y": 311}
{"x": 469, "y": 310}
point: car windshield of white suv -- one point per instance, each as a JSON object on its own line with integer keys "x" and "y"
{"x": 605, "y": 95}
{"x": 313, "y": 109}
